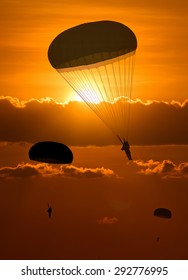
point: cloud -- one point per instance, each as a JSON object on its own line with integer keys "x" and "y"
{"x": 165, "y": 168}
{"x": 20, "y": 171}
{"x": 74, "y": 123}
{"x": 24, "y": 170}
{"x": 107, "y": 220}
{"x": 73, "y": 171}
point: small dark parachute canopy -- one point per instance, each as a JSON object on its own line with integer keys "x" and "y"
{"x": 51, "y": 152}
{"x": 163, "y": 213}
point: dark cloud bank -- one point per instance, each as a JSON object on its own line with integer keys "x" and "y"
{"x": 152, "y": 123}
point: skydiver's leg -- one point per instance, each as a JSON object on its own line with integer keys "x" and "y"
{"x": 128, "y": 153}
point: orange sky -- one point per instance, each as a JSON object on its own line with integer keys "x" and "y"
{"x": 102, "y": 203}
{"x": 28, "y": 27}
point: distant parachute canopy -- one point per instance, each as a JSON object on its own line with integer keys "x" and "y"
{"x": 51, "y": 152}
{"x": 97, "y": 61}
{"x": 163, "y": 213}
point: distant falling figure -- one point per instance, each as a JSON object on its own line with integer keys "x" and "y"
{"x": 49, "y": 211}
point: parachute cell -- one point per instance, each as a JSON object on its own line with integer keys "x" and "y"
{"x": 163, "y": 213}
{"x": 51, "y": 152}
{"x": 97, "y": 60}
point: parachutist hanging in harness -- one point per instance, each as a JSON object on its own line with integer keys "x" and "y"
{"x": 104, "y": 52}
{"x": 126, "y": 148}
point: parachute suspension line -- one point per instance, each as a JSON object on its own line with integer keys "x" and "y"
{"x": 130, "y": 76}
{"x": 123, "y": 103}
{"x": 121, "y": 140}
{"x": 74, "y": 79}
{"x": 93, "y": 98}
{"x": 103, "y": 74}
{"x": 109, "y": 91}
{"x": 117, "y": 100}
{"x": 121, "y": 93}
{"x": 88, "y": 83}
{"x": 95, "y": 78}
{"x": 104, "y": 77}
{"x": 106, "y": 88}
{"x": 108, "y": 75}
{"x": 102, "y": 91}
{"x": 80, "y": 85}
{"x": 99, "y": 106}
{"x": 103, "y": 94}
{"x": 125, "y": 90}
{"x": 94, "y": 95}
{"x": 128, "y": 98}
{"x": 97, "y": 90}
{"x": 86, "y": 91}
{"x": 70, "y": 79}
{"x": 129, "y": 95}
{"x": 85, "y": 88}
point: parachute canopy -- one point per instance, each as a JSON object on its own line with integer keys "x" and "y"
{"x": 51, "y": 152}
{"x": 163, "y": 213}
{"x": 97, "y": 60}
{"x": 90, "y": 43}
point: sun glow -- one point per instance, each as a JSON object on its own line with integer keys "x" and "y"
{"x": 76, "y": 97}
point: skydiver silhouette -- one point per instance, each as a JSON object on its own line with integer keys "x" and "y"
{"x": 49, "y": 211}
{"x": 126, "y": 148}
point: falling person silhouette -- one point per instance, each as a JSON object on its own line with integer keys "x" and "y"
{"x": 49, "y": 211}
{"x": 126, "y": 148}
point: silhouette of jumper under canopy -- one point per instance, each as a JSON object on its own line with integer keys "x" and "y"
{"x": 97, "y": 60}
